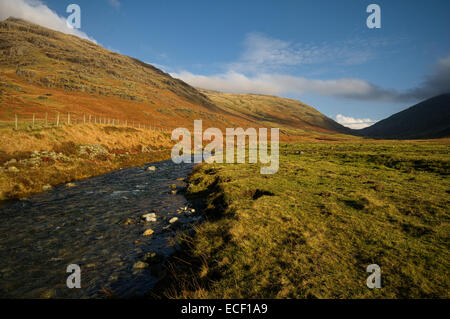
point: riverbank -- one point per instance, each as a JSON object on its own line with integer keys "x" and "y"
{"x": 311, "y": 230}
{"x": 35, "y": 160}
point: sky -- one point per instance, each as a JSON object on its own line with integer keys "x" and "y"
{"x": 319, "y": 52}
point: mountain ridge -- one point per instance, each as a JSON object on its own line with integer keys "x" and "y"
{"x": 425, "y": 120}
{"x": 79, "y": 75}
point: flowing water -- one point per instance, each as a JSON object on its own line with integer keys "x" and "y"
{"x": 84, "y": 225}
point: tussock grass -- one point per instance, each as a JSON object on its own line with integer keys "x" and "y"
{"x": 311, "y": 230}
{"x": 127, "y": 147}
{"x": 49, "y": 139}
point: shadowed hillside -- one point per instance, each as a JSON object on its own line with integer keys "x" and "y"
{"x": 428, "y": 119}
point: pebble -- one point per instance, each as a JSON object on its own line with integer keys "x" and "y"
{"x": 128, "y": 222}
{"x": 151, "y": 169}
{"x": 70, "y": 185}
{"x": 140, "y": 265}
{"x": 173, "y": 220}
{"x": 152, "y": 258}
{"x": 148, "y": 232}
{"x": 149, "y": 217}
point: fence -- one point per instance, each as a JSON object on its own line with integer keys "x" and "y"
{"x": 56, "y": 119}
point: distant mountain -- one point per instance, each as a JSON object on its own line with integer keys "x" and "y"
{"x": 42, "y": 70}
{"x": 273, "y": 110}
{"x": 428, "y": 119}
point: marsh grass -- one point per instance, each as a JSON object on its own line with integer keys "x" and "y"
{"x": 311, "y": 230}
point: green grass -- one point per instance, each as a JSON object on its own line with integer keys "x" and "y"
{"x": 311, "y": 230}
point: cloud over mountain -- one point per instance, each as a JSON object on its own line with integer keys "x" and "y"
{"x": 37, "y": 12}
{"x": 274, "y": 83}
{"x": 354, "y": 123}
{"x": 266, "y": 82}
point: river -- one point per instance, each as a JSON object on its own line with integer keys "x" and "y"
{"x": 87, "y": 225}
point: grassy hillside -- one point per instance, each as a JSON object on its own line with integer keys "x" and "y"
{"x": 44, "y": 70}
{"x": 311, "y": 230}
{"x": 428, "y": 119}
{"x": 47, "y": 71}
{"x": 273, "y": 110}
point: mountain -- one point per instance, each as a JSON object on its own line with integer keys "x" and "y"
{"x": 45, "y": 71}
{"x": 428, "y": 119}
{"x": 272, "y": 110}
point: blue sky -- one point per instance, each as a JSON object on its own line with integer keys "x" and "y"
{"x": 320, "y": 52}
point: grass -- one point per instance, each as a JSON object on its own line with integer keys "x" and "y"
{"x": 311, "y": 230}
{"x": 126, "y": 147}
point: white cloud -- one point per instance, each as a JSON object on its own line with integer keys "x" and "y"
{"x": 114, "y": 3}
{"x": 262, "y": 65}
{"x": 277, "y": 84}
{"x": 354, "y": 123}
{"x": 265, "y": 53}
{"x": 36, "y": 12}
{"x": 260, "y": 70}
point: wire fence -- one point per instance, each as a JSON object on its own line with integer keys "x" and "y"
{"x": 56, "y": 119}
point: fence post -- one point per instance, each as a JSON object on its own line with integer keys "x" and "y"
{"x": 34, "y": 117}
{"x": 84, "y": 118}
{"x": 68, "y": 118}
{"x": 46, "y": 119}
{"x": 17, "y": 123}
{"x": 89, "y": 118}
{"x": 57, "y": 120}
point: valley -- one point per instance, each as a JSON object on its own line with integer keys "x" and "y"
{"x": 86, "y": 178}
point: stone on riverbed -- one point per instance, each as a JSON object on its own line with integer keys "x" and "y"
{"x": 140, "y": 265}
{"x": 70, "y": 185}
{"x": 128, "y": 222}
{"x": 173, "y": 220}
{"x": 148, "y": 232}
{"x": 150, "y": 218}
{"x": 151, "y": 169}
{"x": 152, "y": 258}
